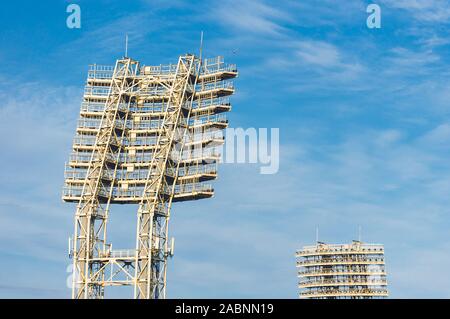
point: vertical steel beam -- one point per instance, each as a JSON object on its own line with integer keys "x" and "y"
{"x": 154, "y": 209}
{"x": 93, "y": 206}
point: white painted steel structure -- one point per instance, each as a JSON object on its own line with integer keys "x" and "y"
{"x": 355, "y": 270}
{"x": 146, "y": 135}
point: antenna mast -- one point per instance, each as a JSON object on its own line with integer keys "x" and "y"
{"x": 201, "y": 46}
{"x": 317, "y": 234}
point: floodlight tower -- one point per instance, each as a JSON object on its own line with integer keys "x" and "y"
{"x": 349, "y": 271}
{"x": 147, "y": 135}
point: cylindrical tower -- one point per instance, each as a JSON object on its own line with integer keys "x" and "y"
{"x": 347, "y": 271}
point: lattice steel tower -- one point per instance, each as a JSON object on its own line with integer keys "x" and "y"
{"x": 354, "y": 270}
{"x": 147, "y": 135}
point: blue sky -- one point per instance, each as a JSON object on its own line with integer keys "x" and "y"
{"x": 364, "y": 133}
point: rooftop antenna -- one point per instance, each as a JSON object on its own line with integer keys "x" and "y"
{"x": 126, "y": 45}
{"x": 201, "y": 46}
{"x": 317, "y": 234}
{"x": 359, "y": 233}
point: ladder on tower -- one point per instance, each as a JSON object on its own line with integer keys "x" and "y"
{"x": 152, "y": 246}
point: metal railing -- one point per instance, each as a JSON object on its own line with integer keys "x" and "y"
{"x": 203, "y": 103}
{"x": 154, "y": 91}
{"x": 96, "y": 90}
{"x": 343, "y": 271}
{"x": 85, "y": 157}
{"x": 200, "y": 169}
{"x": 98, "y": 107}
{"x": 125, "y": 253}
{"x": 216, "y": 64}
{"x": 344, "y": 281}
{"x": 211, "y": 65}
{"x": 193, "y": 188}
{"x": 325, "y": 248}
{"x": 341, "y": 261}
{"x": 202, "y": 119}
{"x": 95, "y": 123}
{"x": 97, "y": 71}
{"x": 203, "y": 87}
{"x": 162, "y": 69}
{"x": 137, "y": 191}
{"x": 350, "y": 292}
{"x": 75, "y": 191}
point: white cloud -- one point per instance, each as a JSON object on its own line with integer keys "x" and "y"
{"x": 318, "y": 53}
{"x": 250, "y": 16}
{"x": 439, "y": 136}
{"x": 431, "y": 11}
{"x": 406, "y": 61}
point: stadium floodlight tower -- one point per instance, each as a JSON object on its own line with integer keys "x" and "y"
{"x": 349, "y": 271}
{"x": 147, "y": 135}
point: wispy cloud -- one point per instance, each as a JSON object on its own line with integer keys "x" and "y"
{"x": 251, "y": 17}
{"x": 405, "y": 62}
{"x": 318, "y": 53}
{"x": 430, "y": 11}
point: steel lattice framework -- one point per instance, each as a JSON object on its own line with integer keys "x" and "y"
{"x": 147, "y": 135}
{"x": 349, "y": 271}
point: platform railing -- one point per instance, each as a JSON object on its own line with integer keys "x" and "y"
{"x": 202, "y": 119}
{"x": 341, "y": 260}
{"x": 101, "y": 72}
{"x": 202, "y": 87}
{"x": 136, "y": 192}
{"x": 351, "y": 292}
